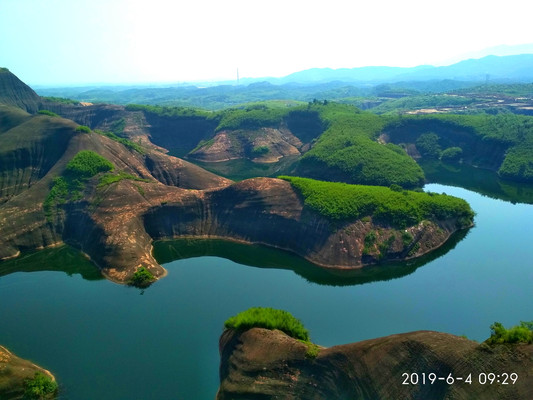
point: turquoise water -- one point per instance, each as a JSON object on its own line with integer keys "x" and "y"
{"x": 105, "y": 341}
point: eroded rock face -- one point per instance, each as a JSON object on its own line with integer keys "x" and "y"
{"x": 263, "y": 145}
{"x": 14, "y": 92}
{"x": 263, "y": 364}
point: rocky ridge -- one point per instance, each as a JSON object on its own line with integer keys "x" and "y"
{"x": 264, "y": 364}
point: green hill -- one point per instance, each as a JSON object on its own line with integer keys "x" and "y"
{"x": 347, "y": 151}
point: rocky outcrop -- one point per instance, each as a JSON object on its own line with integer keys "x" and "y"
{"x": 263, "y": 145}
{"x": 31, "y": 146}
{"x": 14, "y": 92}
{"x": 264, "y": 364}
{"x": 269, "y": 211}
{"x": 13, "y": 372}
{"x": 106, "y": 221}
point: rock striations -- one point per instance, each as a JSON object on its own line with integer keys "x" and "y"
{"x": 264, "y": 364}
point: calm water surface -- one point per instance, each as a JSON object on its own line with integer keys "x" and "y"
{"x": 105, "y": 341}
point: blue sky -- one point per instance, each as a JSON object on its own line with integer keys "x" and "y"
{"x": 62, "y": 42}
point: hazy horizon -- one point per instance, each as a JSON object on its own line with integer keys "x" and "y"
{"x": 120, "y": 42}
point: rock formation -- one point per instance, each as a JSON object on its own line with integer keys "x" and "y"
{"x": 265, "y": 364}
{"x": 155, "y": 196}
{"x": 14, "y": 371}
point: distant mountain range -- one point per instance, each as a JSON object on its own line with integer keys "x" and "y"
{"x": 320, "y": 83}
{"x": 501, "y": 69}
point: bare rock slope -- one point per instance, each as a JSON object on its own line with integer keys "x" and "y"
{"x": 264, "y": 364}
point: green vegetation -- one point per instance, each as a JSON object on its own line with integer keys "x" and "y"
{"x": 312, "y": 350}
{"x": 87, "y": 164}
{"x": 269, "y": 318}
{"x": 49, "y": 113}
{"x": 341, "y": 201}
{"x": 407, "y": 238}
{"x": 428, "y": 145}
{"x": 82, "y": 167}
{"x": 415, "y": 101}
{"x": 40, "y": 387}
{"x": 522, "y": 333}
{"x": 59, "y": 193}
{"x": 511, "y": 90}
{"x": 171, "y": 112}
{"x": 370, "y": 240}
{"x": 348, "y": 151}
{"x": 142, "y": 278}
{"x": 82, "y": 129}
{"x": 118, "y": 126}
{"x": 108, "y": 179}
{"x": 484, "y": 139}
{"x": 518, "y": 163}
{"x": 61, "y": 100}
{"x": 260, "y": 151}
{"x": 252, "y": 117}
{"x": 451, "y": 154}
{"x": 126, "y": 142}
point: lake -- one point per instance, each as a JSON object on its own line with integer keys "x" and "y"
{"x": 106, "y": 341}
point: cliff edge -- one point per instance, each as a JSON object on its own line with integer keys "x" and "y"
{"x": 268, "y": 364}
{"x": 17, "y": 374}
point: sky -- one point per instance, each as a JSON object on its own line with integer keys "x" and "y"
{"x": 81, "y": 42}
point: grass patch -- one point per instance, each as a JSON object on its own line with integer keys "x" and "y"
{"x": 40, "y": 387}
{"x": 82, "y": 129}
{"x": 49, "y": 113}
{"x": 61, "y": 100}
{"x": 87, "y": 164}
{"x": 407, "y": 238}
{"x": 340, "y": 201}
{"x": 118, "y": 126}
{"x": 81, "y": 168}
{"x": 312, "y": 350}
{"x": 142, "y": 278}
{"x": 259, "y": 151}
{"x": 522, "y": 333}
{"x": 252, "y": 117}
{"x": 126, "y": 142}
{"x": 109, "y": 178}
{"x": 268, "y": 318}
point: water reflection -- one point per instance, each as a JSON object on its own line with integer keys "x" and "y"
{"x": 478, "y": 180}
{"x": 64, "y": 258}
{"x": 266, "y": 257}
{"x": 242, "y": 168}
